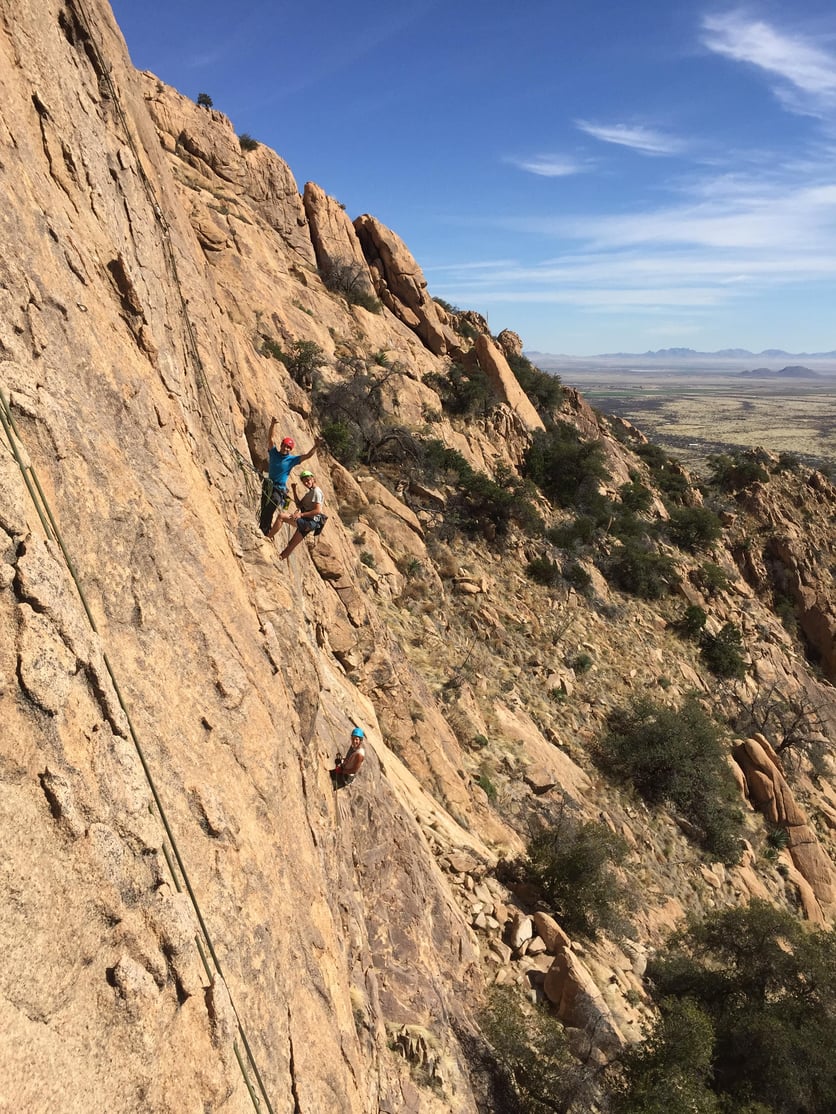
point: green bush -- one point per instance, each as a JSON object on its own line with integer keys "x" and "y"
{"x": 543, "y": 571}
{"x": 448, "y": 306}
{"x": 670, "y": 1071}
{"x": 636, "y": 496}
{"x": 735, "y": 471}
{"x": 204, "y": 100}
{"x": 344, "y": 441}
{"x": 533, "y": 1070}
{"x": 247, "y": 142}
{"x": 693, "y": 528}
{"x": 577, "y": 576}
{"x": 484, "y": 505}
{"x": 303, "y": 360}
{"x": 544, "y": 390}
{"x": 270, "y": 347}
{"x": 692, "y": 623}
{"x": 484, "y": 781}
{"x": 676, "y": 756}
{"x": 788, "y": 462}
{"x": 721, "y": 652}
{"x": 640, "y": 571}
{"x": 581, "y": 663}
{"x": 784, "y": 608}
{"x": 625, "y": 524}
{"x": 579, "y": 531}
{"x": 710, "y": 579}
{"x": 667, "y": 473}
{"x": 566, "y": 469}
{"x": 572, "y": 864}
{"x": 766, "y": 984}
{"x": 463, "y": 391}
{"x": 777, "y": 839}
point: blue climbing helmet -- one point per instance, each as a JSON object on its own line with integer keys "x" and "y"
{"x": 358, "y": 733}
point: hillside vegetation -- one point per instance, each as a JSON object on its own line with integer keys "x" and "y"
{"x": 597, "y": 694}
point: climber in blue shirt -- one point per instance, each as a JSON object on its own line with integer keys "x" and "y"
{"x": 281, "y": 460}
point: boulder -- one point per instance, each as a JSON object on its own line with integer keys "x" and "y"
{"x": 519, "y": 931}
{"x": 335, "y": 241}
{"x": 495, "y": 366}
{"x": 578, "y": 1001}
{"x": 551, "y": 933}
{"x": 400, "y": 284}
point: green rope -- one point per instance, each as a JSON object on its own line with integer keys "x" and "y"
{"x": 5, "y": 415}
{"x": 51, "y": 527}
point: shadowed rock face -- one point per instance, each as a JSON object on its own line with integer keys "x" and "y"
{"x": 335, "y": 242}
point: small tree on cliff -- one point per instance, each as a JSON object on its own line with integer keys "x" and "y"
{"x": 748, "y": 1017}
{"x": 204, "y": 100}
{"x": 350, "y": 278}
{"x": 677, "y": 756}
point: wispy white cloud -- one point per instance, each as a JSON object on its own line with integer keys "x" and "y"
{"x": 733, "y": 238}
{"x": 550, "y": 166}
{"x": 649, "y": 141}
{"x": 797, "y": 218}
{"x": 806, "y": 72}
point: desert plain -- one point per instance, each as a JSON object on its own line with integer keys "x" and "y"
{"x": 696, "y": 410}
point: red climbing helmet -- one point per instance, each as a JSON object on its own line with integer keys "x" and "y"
{"x": 288, "y": 443}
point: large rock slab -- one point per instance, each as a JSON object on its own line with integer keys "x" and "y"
{"x": 493, "y": 363}
{"x": 771, "y": 794}
{"x": 335, "y": 241}
{"x": 400, "y": 284}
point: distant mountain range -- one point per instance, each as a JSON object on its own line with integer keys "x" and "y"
{"x": 722, "y": 354}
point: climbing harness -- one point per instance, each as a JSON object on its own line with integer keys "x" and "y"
{"x": 274, "y": 498}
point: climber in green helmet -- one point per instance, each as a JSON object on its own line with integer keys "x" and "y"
{"x": 308, "y": 517}
{"x": 346, "y": 769}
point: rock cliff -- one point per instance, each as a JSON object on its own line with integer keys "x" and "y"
{"x": 192, "y": 917}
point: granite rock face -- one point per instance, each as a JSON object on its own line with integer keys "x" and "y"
{"x": 771, "y": 794}
{"x": 178, "y": 870}
{"x": 401, "y": 286}
{"x": 337, "y": 249}
{"x": 132, "y": 250}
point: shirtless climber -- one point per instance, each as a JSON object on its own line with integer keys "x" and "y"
{"x": 346, "y": 769}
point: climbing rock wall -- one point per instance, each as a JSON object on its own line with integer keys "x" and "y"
{"x": 131, "y": 368}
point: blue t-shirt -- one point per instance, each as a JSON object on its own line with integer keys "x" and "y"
{"x": 281, "y": 465}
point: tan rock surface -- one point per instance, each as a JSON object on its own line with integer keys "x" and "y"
{"x": 334, "y": 239}
{"x": 146, "y": 260}
{"x": 400, "y": 284}
{"x": 772, "y": 795}
{"x": 494, "y": 364}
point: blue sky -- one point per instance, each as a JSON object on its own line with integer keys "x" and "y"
{"x": 597, "y": 176}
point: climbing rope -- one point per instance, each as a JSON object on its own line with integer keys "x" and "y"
{"x": 52, "y": 531}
